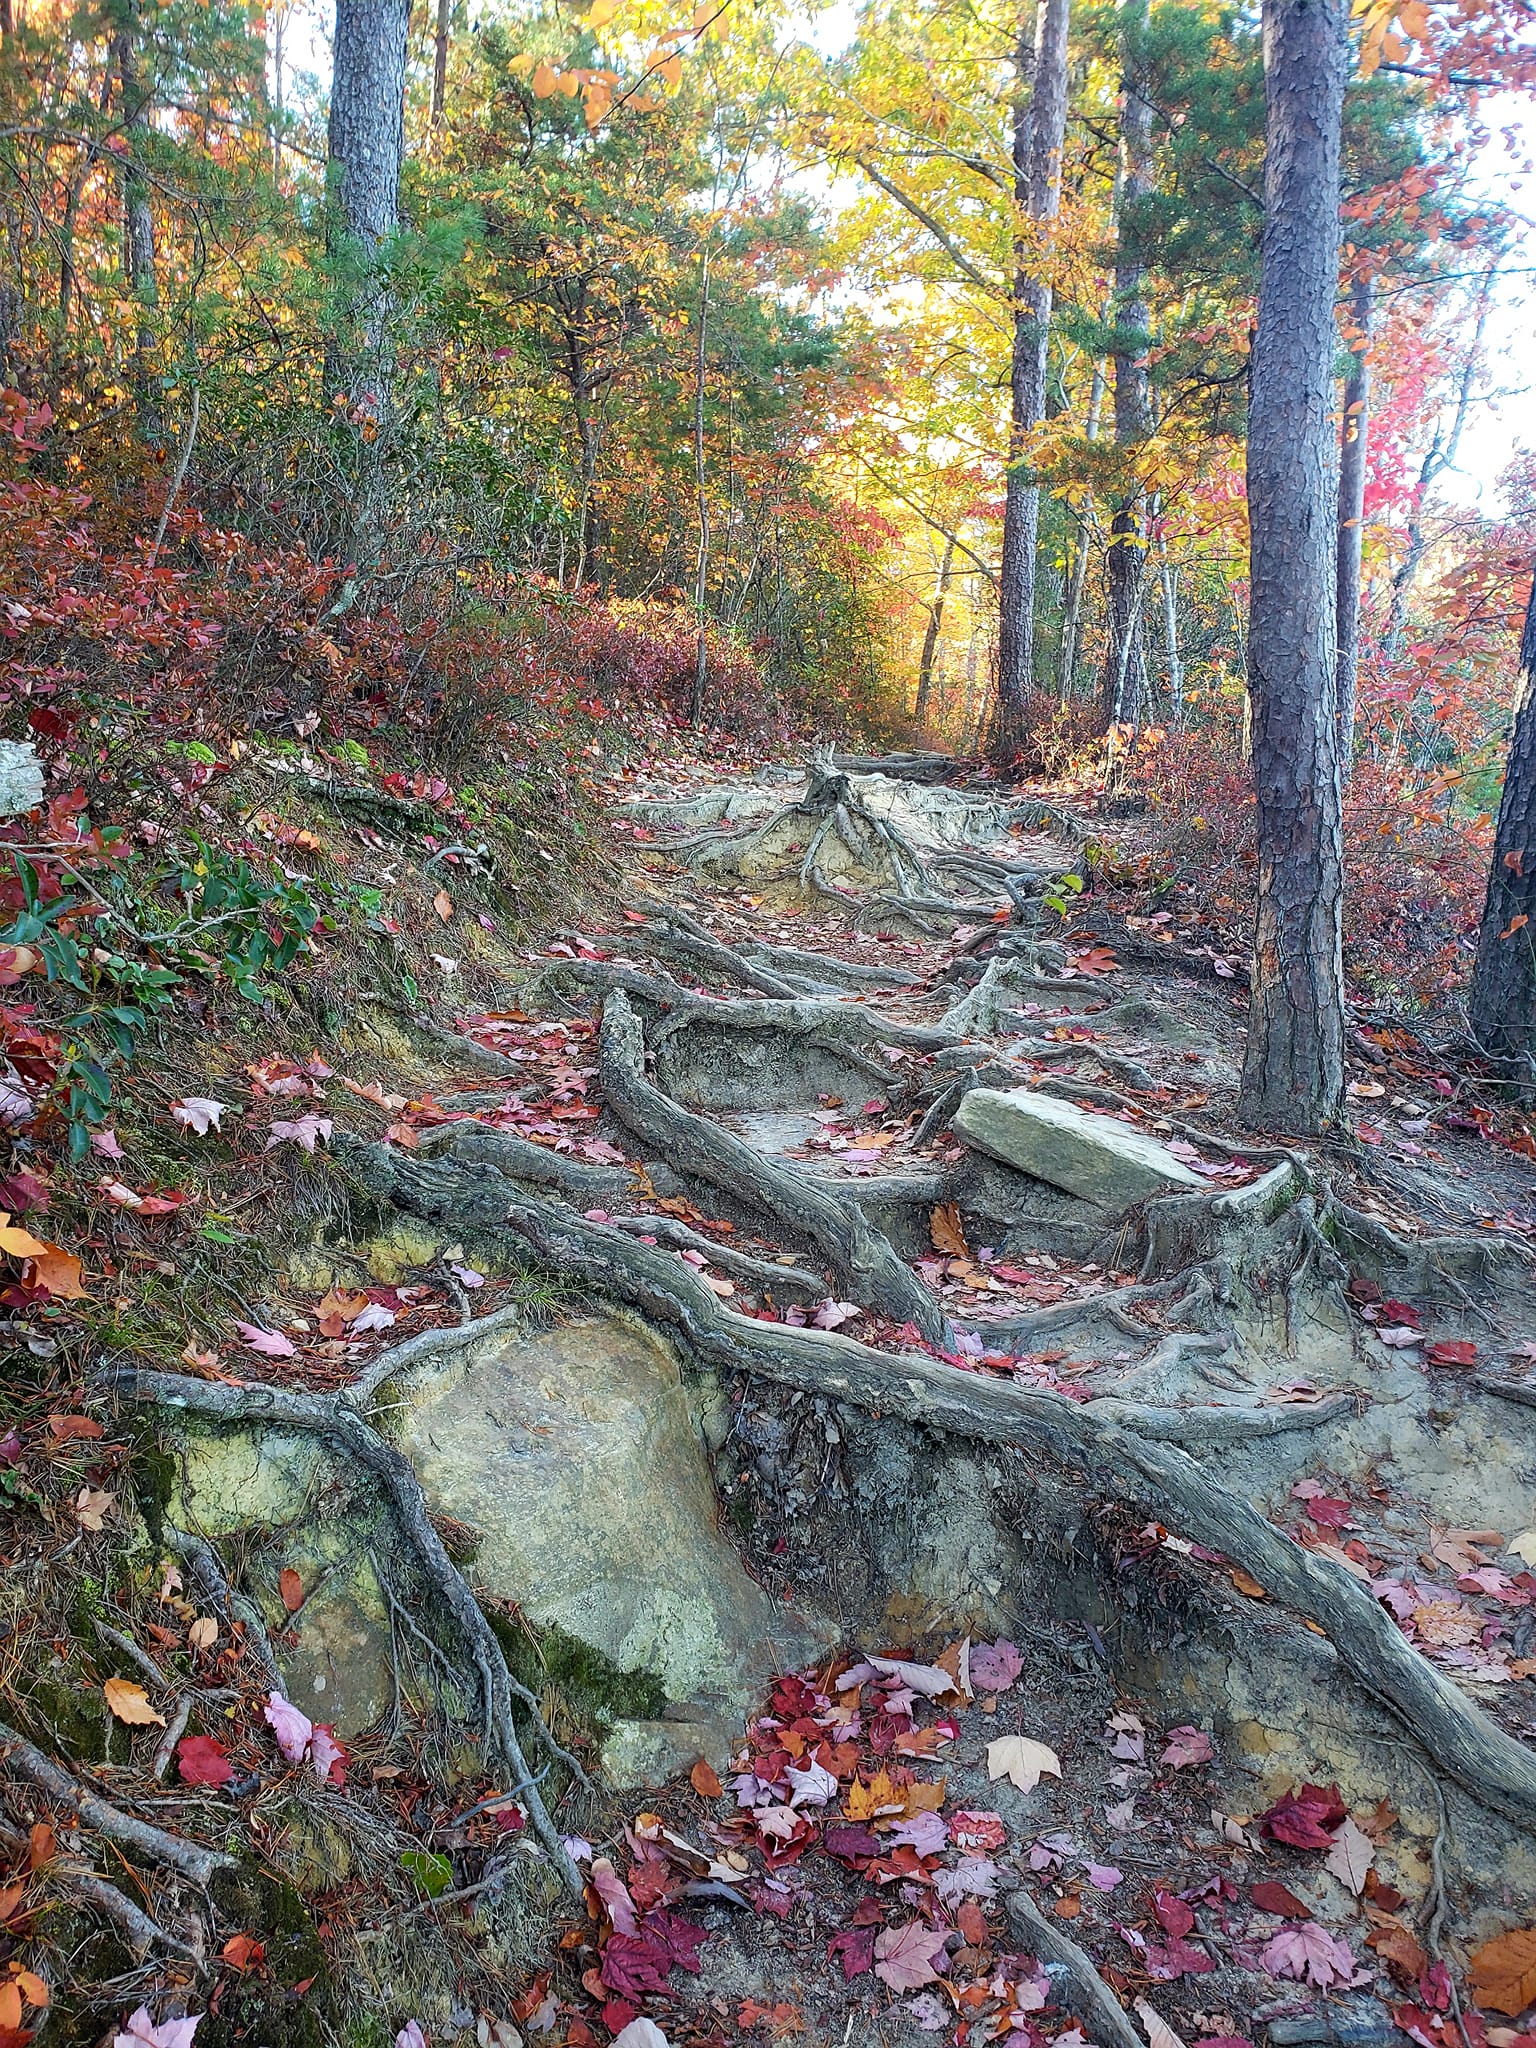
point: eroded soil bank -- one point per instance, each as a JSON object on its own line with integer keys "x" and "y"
{"x": 903, "y": 1520}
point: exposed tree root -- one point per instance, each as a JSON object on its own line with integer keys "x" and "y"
{"x": 202, "y": 1560}
{"x": 834, "y": 1221}
{"x": 339, "y": 1421}
{"x": 1113, "y": 1444}
{"x": 191, "y": 1860}
{"x": 1048, "y": 1941}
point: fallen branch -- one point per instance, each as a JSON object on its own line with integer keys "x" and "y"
{"x": 693, "y": 1144}
{"x": 188, "y": 1859}
{"x": 1101, "y": 1440}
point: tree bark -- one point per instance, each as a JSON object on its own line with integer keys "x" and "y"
{"x": 701, "y": 496}
{"x": 1077, "y": 579}
{"x": 1352, "y": 453}
{"x": 366, "y": 136}
{"x": 1502, "y": 1006}
{"x": 931, "y": 634}
{"x": 138, "y": 226}
{"x": 1039, "y": 131}
{"x": 1125, "y": 668}
{"x": 440, "y": 62}
{"x": 1293, "y": 1070}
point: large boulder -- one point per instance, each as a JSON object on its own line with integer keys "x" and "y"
{"x": 1097, "y": 1158}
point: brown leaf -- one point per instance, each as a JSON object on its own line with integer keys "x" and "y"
{"x": 203, "y": 1633}
{"x": 130, "y": 1703}
{"x": 1401, "y": 1950}
{"x": 947, "y": 1231}
{"x": 242, "y": 1952}
{"x": 442, "y": 903}
{"x": 1503, "y": 1971}
{"x": 10, "y": 1899}
{"x": 1246, "y": 1583}
{"x": 64, "y": 1427}
{"x": 291, "y": 1586}
{"x": 40, "y": 1846}
{"x": 704, "y": 1780}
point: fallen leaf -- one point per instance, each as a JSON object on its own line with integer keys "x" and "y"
{"x": 92, "y": 1507}
{"x": 947, "y": 1231}
{"x": 41, "y": 1845}
{"x": 202, "y": 1761}
{"x": 1246, "y": 1583}
{"x": 270, "y": 1343}
{"x": 203, "y": 1633}
{"x": 130, "y": 1703}
{"x": 21, "y": 1244}
{"x": 243, "y": 1952}
{"x": 301, "y": 1130}
{"x": 704, "y": 1779}
{"x": 1351, "y": 1856}
{"x": 1309, "y": 1953}
{"x": 1023, "y": 1761}
{"x": 1503, "y": 1971}
{"x": 442, "y": 903}
{"x": 995, "y": 1667}
{"x": 905, "y": 1956}
{"x": 1159, "y": 2033}
{"x": 291, "y": 1588}
{"x": 1186, "y": 1746}
{"x": 1523, "y": 1546}
{"x": 1451, "y": 1351}
{"x": 1271, "y": 1897}
{"x": 58, "y": 1272}
{"x": 198, "y": 1113}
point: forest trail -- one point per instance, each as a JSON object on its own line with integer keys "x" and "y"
{"x": 1122, "y": 1524}
{"x": 1188, "y": 1467}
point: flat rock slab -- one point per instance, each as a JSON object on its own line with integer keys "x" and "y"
{"x": 1097, "y": 1158}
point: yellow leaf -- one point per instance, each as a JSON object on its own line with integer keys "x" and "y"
{"x": 599, "y": 14}
{"x": 521, "y": 65}
{"x": 130, "y": 1703}
{"x": 702, "y": 16}
{"x": 21, "y": 1244}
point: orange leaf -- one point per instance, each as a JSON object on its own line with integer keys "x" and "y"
{"x": 33, "y": 1989}
{"x": 1515, "y": 924}
{"x": 10, "y": 1899}
{"x": 21, "y": 1244}
{"x": 130, "y": 1703}
{"x": 544, "y": 81}
{"x": 1246, "y": 1584}
{"x": 10, "y": 2005}
{"x": 1503, "y": 1971}
{"x": 704, "y": 1780}
{"x": 242, "y": 1951}
{"x": 291, "y": 1586}
{"x": 41, "y": 1846}
{"x": 58, "y": 1271}
{"x": 672, "y": 70}
{"x": 64, "y": 1427}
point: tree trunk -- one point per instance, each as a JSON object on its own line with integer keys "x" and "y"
{"x": 931, "y": 635}
{"x": 1502, "y": 1005}
{"x": 1125, "y": 672}
{"x": 1293, "y": 1070}
{"x": 700, "y": 481}
{"x": 1352, "y": 453}
{"x": 1039, "y": 130}
{"x": 366, "y": 136}
{"x": 138, "y": 227}
{"x": 440, "y": 62}
{"x": 1077, "y": 580}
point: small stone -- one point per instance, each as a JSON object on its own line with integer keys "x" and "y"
{"x": 1095, "y": 1157}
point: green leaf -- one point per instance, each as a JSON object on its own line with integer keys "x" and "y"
{"x": 433, "y": 1873}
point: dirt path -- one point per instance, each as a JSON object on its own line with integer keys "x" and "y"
{"x": 1127, "y": 1435}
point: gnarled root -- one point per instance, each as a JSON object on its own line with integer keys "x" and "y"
{"x": 1113, "y": 1444}
{"x": 338, "y": 1421}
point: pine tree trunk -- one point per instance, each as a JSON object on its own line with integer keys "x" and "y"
{"x": 1293, "y": 1071}
{"x": 1502, "y": 1005}
{"x": 1352, "y": 453}
{"x": 1125, "y": 672}
{"x": 440, "y": 63}
{"x": 366, "y": 136}
{"x": 138, "y": 228}
{"x": 366, "y": 144}
{"x": 931, "y": 634}
{"x": 1039, "y": 131}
